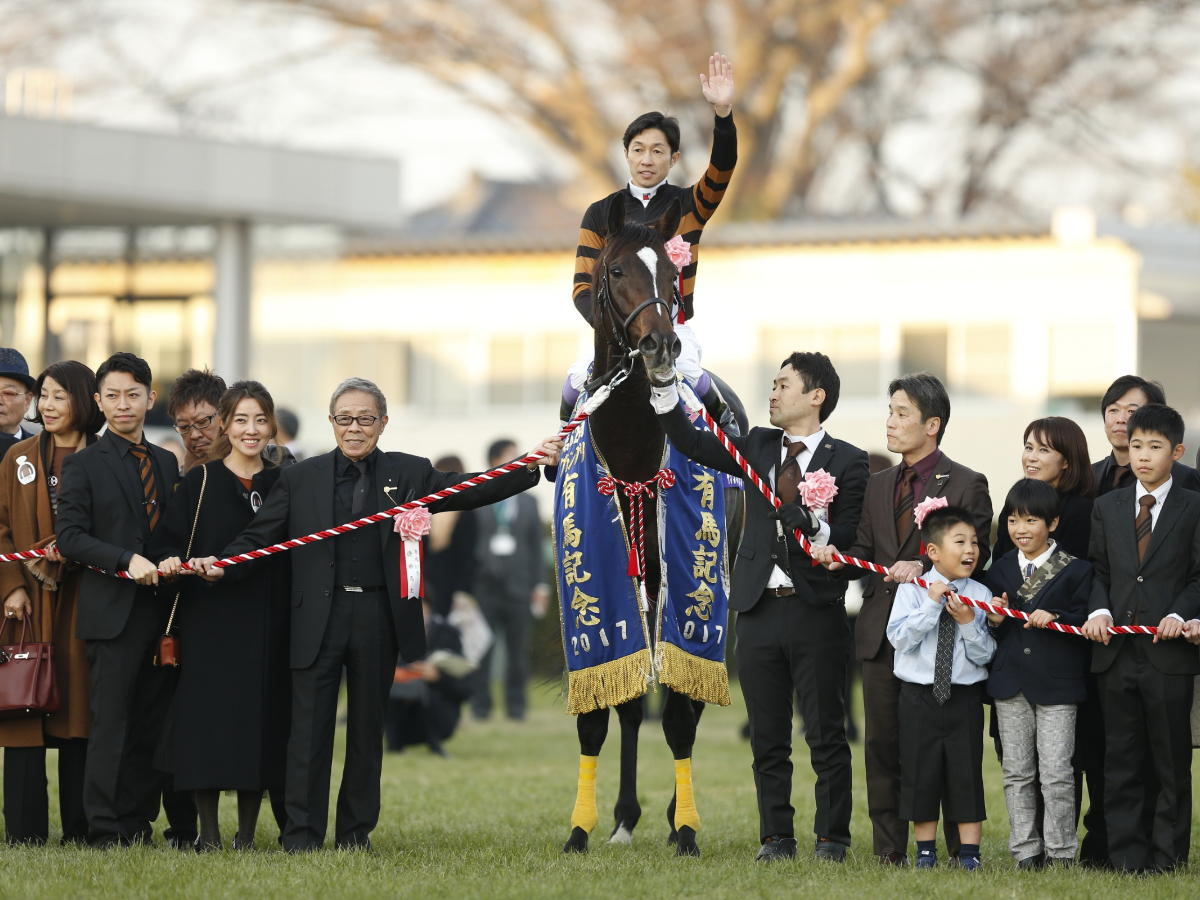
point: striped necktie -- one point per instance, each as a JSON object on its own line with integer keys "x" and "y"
{"x": 1144, "y": 525}
{"x": 149, "y": 488}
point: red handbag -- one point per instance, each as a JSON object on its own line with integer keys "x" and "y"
{"x": 28, "y": 686}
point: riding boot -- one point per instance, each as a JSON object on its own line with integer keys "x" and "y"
{"x": 720, "y": 410}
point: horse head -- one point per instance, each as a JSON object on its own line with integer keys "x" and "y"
{"x": 634, "y": 283}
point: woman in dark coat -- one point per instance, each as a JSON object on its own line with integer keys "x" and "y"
{"x": 229, "y": 718}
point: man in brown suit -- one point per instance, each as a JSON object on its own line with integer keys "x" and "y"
{"x": 918, "y": 411}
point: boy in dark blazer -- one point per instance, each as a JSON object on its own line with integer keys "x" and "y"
{"x": 792, "y": 633}
{"x": 1038, "y": 677}
{"x": 112, "y": 499}
{"x": 1146, "y": 551}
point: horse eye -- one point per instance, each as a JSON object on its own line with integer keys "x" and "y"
{"x": 616, "y": 272}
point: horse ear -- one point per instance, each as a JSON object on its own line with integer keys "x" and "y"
{"x": 616, "y": 213}
{"x": 669, "y": 223}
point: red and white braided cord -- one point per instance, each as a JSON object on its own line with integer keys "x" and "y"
{"x": 637, "y": 491}
{"x": 765, "y": 490}
{"x": 588, "y": 408}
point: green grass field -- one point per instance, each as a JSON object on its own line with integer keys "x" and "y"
{"x": 490, "y": 822}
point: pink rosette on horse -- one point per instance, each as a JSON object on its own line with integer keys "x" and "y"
{"x": 412, "y": 525}
{"x": 679, "y": 251}
{"x": 818, "y": 489}
{"x": 926, "y": 506}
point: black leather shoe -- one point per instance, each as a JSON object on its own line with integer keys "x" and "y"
{"x": 776, "y": 848}
{"x": 893, "y": 859}
{"x": 829, "y": 850}
{"x": 183, "y": 842}
{"x": 1032, "y": 862}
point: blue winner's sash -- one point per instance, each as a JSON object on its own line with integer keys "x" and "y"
{"x": 605, "y": 633}
{"x": 690, "y": 650}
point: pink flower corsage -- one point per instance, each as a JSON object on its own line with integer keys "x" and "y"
{"x": 926, "y": 506}
{"x": 413, "y": 524}
{"x": 818, "y": 489}
{"x": 679, "y": 251}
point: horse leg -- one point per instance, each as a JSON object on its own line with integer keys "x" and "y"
{"x": 593, "y": 729}
{"x": 628, "y": 810}
{"x": 673, "y": 837}
{"x": 680, "y": 715}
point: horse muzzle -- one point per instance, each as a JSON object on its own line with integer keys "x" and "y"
{"x": 659, "y": 352}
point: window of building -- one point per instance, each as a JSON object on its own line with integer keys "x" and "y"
{"x": 854, "y": 350}
{"x": 923, "y": 348}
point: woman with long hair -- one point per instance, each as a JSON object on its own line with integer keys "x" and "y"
{"x": 42, "y": 596}
{"x": 1056, "y": 451}
{"x": 229, "y": 718}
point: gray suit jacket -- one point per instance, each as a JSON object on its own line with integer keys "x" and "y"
{"x": 1166, "y": 581}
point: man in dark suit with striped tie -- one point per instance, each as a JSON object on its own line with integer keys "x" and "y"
{"x": 112, "y": 498}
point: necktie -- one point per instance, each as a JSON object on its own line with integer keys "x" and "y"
{"x": 149, "y": 488}
{"x": 1028, "y": 571}
{"x": 1120, "y": 475}
{"x": 943, "y": 660}
{"x": 905, "y": 504}
{"x": 787, "y": 485}
{"x": 360, "y": 488}
{"x": 1144, "y": 525}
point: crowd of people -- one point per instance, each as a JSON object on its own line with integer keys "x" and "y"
{"x": 187, "y": 678}
{"x": 1081, "y": 544}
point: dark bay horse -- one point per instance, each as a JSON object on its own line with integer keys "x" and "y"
{"x": 632, "y": 322}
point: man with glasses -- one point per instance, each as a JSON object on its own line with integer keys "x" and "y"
{"x": 192, "y": 407}
{"x": 16, "y": 393}
{"x": 347, "y": 607}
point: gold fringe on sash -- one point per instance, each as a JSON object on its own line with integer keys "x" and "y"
{"x": 699, "y": 678}
{"x": 610, "y": 683}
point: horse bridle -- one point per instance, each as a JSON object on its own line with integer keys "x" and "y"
{"x": 616, "y": 332}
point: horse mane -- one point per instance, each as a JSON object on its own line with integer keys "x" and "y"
{"x": 632, "y": 234}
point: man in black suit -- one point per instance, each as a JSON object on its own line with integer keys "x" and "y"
{"x": 16, "y": 393}
{"x": 792, "y": 633}
{"x": 1146, "y": 552}
{"x": 112, "y": 498}
{"x": 347, "y": 610}
{"x": 509, "y": 583}
{"x": 1123, "y": 398}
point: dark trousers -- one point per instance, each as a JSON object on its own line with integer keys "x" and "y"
{"x": 26, "y": 800}
{"x": 511, "y": 617}
{"x": 130, "y": 696}
{"x": 941, "y": 753}
{"x": 783, "y": 645}
{"x": 360, "y": 635}
{"x": 1147, "y": 716}
{"x": 881, "y": 746}
{"x": 1089, "y": 765}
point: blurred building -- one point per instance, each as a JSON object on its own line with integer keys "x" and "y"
{"x": 465, "y": 320}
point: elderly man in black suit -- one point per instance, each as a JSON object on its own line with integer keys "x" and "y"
{"x": 112, "y": 498}
{"x": 347, "y": 610}
{"x": 792, "y": 633}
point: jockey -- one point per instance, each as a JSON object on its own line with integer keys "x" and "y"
{"x": 652, "y": 149}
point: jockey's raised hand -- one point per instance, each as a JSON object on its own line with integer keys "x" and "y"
{"x": 718, "y": 86}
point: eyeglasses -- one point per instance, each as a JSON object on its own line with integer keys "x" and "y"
{"x": 199, "y": 425}
{"x": 363, "y": 421}
{"x": 11, "y": 395}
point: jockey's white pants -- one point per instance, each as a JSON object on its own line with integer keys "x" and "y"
{"x": 687, "y": 363}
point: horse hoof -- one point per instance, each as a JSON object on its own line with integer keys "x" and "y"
{"x": 577, "y": 842}
{"x": 673, "y": 838}
{"x": 621, "y": 834}
{"x": 686, "y": 845}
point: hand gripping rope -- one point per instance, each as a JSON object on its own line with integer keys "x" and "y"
{"x": 593, "y": 403}
{"x": 766, "y": 491}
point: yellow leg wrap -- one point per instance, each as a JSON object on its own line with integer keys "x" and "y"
{"x": 685, "y": 801}
{"x": 585, "y": 815}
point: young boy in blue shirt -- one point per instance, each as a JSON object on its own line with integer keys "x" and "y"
{"x": 942, "y": 649}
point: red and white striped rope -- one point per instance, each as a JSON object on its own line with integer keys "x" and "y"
{"x": 637, "y": 492}
{"x": 592, "y": 404}
{"x": 765, "y": 490}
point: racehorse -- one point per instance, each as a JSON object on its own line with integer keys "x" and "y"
{"x": 634, "y": 334}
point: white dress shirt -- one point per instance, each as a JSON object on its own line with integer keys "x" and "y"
{"x": 1160, "y": 495}
{"x": 1038, "y": 561}
{"x": 644, "y": 195}
{"x": 913, "y": 630}
{"x": 779, "y": 578}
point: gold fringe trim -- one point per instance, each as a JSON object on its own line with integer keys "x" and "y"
{"x": 609, "y": 683}
{"x": 699, "y": 678}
